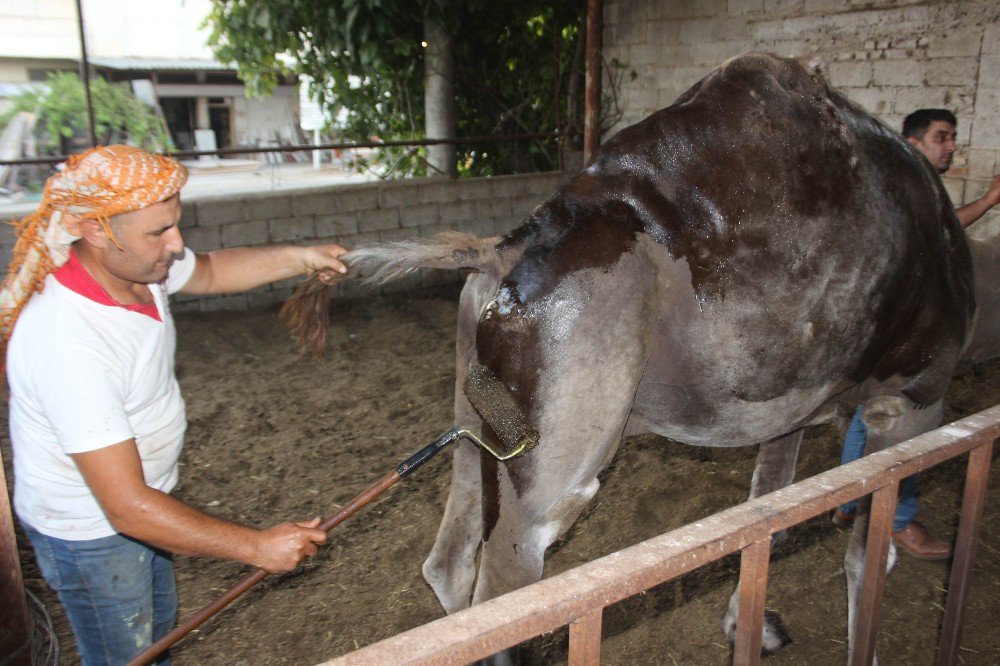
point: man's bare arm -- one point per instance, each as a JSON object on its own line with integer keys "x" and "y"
{"x": 242, "y": 268}
{"x": 114, "y": 474}
{"x": 971, "y": 212}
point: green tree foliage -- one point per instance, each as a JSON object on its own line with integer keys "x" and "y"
{"x": 60, "y": 106}
{"x": 514, "y": 63}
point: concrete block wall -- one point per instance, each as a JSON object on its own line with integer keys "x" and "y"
{"x": 353, "y": 215}
{"x": 891, "y": 56}
{"x": 350, "y": 215}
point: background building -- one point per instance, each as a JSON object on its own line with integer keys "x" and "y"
{"x": 160, "y": 48}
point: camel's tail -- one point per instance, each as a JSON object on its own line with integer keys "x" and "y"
{"x": 389, "y": 261}
{"x": 306, "y": 312}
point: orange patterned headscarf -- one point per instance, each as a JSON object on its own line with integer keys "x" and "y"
{"x": 95, "y": 185}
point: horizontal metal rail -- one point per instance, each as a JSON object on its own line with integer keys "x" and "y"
{"x": 577, "y": 597}
{"x": 344, "y": 145}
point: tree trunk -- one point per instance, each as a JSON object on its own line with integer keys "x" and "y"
{"x": 439, "y": 96}
{"x": 592, "y": 114}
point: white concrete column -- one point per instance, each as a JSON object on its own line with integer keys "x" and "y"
{"x": 439, "y": 97}
{"x": 201, "y": 118}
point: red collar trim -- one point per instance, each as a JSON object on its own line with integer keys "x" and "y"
{"x": 75, "y": 277}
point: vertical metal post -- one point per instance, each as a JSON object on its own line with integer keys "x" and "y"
{"x": 85, "y": 76}
{"x": 592, "y": 95}
{"x": 15, "y": 623}
{"x": 754, "y": 562}
{"x": 976, "y": 477}
{"x": 585, "y": 639}
{"x": 316, "y": 153}
{"x": 557, "y": 99}
{"x": 873, "y": 578}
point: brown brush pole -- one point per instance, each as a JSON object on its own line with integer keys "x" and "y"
{"x": 228, "y": 597}
{"x": 494, "y": 403}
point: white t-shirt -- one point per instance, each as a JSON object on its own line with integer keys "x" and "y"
{"x": 84, "y": 375}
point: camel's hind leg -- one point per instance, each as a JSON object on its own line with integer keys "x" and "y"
{"x": 592, "y": 352}
{"x": 530, "y": 502}
{"x": 775, "y": 469}
{"x": 450, "y": 569}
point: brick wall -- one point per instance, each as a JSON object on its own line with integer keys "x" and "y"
{"x": 349, "y": 215}
{"x": 890, "y": 56}
{"x": 356, "y": 214}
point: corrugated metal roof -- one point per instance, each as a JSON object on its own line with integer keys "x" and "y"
{"x": 151, "y": 64}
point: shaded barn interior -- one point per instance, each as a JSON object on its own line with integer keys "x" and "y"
{"x": 274, "y": 436}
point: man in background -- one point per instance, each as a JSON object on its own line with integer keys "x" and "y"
{"x": 932, "y": 132}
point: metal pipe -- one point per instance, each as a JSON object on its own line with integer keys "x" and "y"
{"x": 592, "y": 96}
{"x": 976, "y": 477}
{"x": 873, "y": 579}
{"x": 557, "y": 98}
{"x": 245, "y": 150}
{"x": 754, "y": 562}
{"x": 15, "y": 639}
{"x": 485, "y": 629}
{"x": 585, "y": 639}
{"x": 85, "y": 75}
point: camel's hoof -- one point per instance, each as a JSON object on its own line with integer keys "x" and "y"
{"x": 773, "y": 637}
{"x": 775, "y": 634}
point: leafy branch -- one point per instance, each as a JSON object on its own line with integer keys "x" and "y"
{"x": 365, "y": 59}
{"x": 61, "y": 110}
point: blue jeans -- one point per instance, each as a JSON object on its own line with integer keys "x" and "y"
{"x": 118, "y": 593}
{"x": 854, "y": 447}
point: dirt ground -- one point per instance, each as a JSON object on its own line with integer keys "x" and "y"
{"x": 274, "y": 436}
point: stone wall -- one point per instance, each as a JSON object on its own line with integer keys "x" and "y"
{"x": 890, "y": 56}
{"x": 356, "y": 214}
{"x": 350, "y": 215}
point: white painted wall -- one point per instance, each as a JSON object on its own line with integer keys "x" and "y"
{"x": 114, "y": 28}
{"x": 151, "y": 29}
{"x": 258, "y": 119}
{"x": 36, "y": 28}
{"x": 891, "y": 56}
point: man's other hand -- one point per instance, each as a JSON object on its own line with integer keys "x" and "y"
{"x": 992, "y": 195}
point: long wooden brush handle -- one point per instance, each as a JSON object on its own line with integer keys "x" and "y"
{"x": 257, "y": 575}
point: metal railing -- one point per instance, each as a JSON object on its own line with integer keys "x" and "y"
{"x": 342, "y": 145}
{"x": 578, "y": 597}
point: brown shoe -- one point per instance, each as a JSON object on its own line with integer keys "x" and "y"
{"x": 842, "y": 518}
{"x": 917, "y": 541}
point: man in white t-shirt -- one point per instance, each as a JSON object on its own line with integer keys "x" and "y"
{"x": 96, "y": 416}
